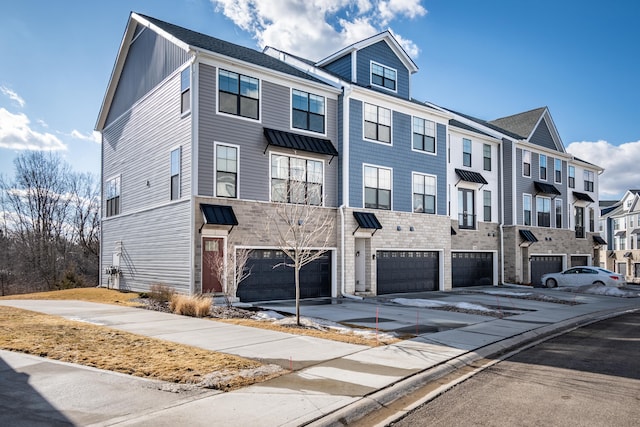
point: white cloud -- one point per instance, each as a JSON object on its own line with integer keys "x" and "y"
{"x": 16, "y": 134}
{"x": 314, "y": 29}
{"x": 93, "y": 136}
{"x": 12, "y": 95}
{"x": 620, "y": 163}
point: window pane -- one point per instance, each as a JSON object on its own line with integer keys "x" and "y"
{"x": 298, "y": 169}
{"x": 279, "y": 167}
{"x": 384, "y": 116}
{"x": 418, "y": 141}
{"x": 430, "y": 204}
{"x": 418, "y": 125}
{"x": 314, "y": 171}
{"x": 225, "y": 184}
{"x": 315, "y": 194}
{"x": 418, "y": 203}
{"x": 370, "y": 177}
{"x": 299, "y": 119}
{"x": 228, "y": 81}
{"x": 418, "y": 184}
{"x": 300, "y": 101}
{"x": 384, "y": 199}
{"x": 384, "y": 133}
{"x": 249, "y": 87}
{"x": 228, "y": 103}
{"x": 185, "y": 79}
{"x": 370, "y": 130}
{"x": 384, "y": 179}
{"x": 370, "y": 113}
{"x": 175, "y": 162}
{"x": 316, "y": 123}
{"x": 430, "y": 185}
{"x": 249, "y": 108}
{"x": 430, "y": 144}
{"x": 278, "y": 190}
{"x": 316, "y": 104}
{"x": 370, "y": 197}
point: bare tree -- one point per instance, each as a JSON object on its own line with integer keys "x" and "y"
{"x": 230, "y": 270}
{"x": 302, "y": 227}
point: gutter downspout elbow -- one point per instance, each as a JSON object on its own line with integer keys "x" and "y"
{"x": 343, "y": 293}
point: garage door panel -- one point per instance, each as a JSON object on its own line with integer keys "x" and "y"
{"x": 407, "y": 271}
{"x": 268, "y": 282}
{"x": 541, "y": 264}
{"x": 471, "y": 269}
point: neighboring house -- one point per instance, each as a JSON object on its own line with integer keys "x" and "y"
{"x": 620, "y": 228}
{"x": 547, "y": 197}
{"x": 201, "y": 137}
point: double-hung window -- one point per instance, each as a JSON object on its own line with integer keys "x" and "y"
{"x": 113, "y": 196}
{"x": 377, "y": 188}
{"x": 238, "y": 94}
{"x": 424, "y": 135}
{"x": 175, "y": 173}
{"x": 486, "y": 156}
{"x": 308, "y": 111}
{"x": 543, "y": 167}
{"x": 558, "y": 213}
{"x": 526, "y": 208}
{"x": 526, "y": 163}
{"x": 185, "y": 91}
{"x": 558, "y": 170}
{"x": 588, "y": 180}
{"x": 226, "y": 171}
{"x": 383, "y": 76}
{"x": 592, "y": 220}
{"x": 572, "y": 177}
{"x": 487, "y": 205}
{"x": 543, "y": 210}
{"x": 424, "y": 193}
{"x": 466, "y": 152}
{"x": 296, "y": 180}
{"x": 377, "y": 123}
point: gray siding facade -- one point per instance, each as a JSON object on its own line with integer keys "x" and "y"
{"x": 542, "y": 136}
{"x": 150, "y": 60}
{"x": 382, "y": 54}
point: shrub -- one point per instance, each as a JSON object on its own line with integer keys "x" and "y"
{"x": 161, "y": 293}
{"x": 195, "y": 306}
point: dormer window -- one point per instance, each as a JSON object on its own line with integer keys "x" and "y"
{"x": 383, "y": 76}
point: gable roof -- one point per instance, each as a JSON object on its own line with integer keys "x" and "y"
{"x": 189, "y": 41}
{"x": 386, "y": 36}
{"x": 536, "y": 126}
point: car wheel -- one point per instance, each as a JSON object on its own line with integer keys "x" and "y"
{"x": 551, "y": 283}
{"x": 598, "y": 283}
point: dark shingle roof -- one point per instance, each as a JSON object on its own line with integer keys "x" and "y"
{"x": 487, "y": 124}
{"x": 252, "y": 56}
{"x": 521, "y": 123}
{"x": 460, "y": 125}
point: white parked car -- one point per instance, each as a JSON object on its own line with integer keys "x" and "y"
{"x": 580, "y": 276}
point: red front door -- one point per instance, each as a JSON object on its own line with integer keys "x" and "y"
{"x": 212, "y": 259}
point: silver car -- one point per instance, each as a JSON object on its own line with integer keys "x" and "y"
{"x": 580, "y": 276}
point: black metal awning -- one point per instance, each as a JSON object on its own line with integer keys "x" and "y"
{"x": 453, "y": 231}
{"x": 295, "y": 141}
{"x": 367, "y": 220}
{"x": 528, "y": 236}
{"x": 635, "y": 231}
{"x": 582, "y": 196}
{"x": 544, "y": 188}
{"x": 628, "y": 255}
{"x": 621, "y": 233}
{"x": 471, "y": 176}
{"x": 599, "y": 240}
{"x": 218, "y": 215}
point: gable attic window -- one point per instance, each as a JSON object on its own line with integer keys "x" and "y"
{"x": 185, "y": 90}
{"x": 238, "y": 94}
{"x": 383, "y": 76}
{"x": 307, "y": 111}
{"x": 113, "y": 196}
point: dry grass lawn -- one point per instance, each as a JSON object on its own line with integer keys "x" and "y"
{"x": 104, "y": 348}
{"x": 101, "y": 347}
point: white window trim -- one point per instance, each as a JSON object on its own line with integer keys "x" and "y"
{"x": 363, "y": 186}
{"x": 171, "y": 150}
{"x": 523, "y": 162}
{"x": 106, "y": 197}
{"x": 282, "y": 153}
{"x": 371, "y": 63}
{"x": 554, "y": 171}
{"x": 546, "y": 167}
{"x": 375, "y": 141}
{"x": 569, "y": 176}
{"x": 536, "y": 211}
{"x": 239, "y": 117}
{"x": 306, "y": 131}
{"x": 530, "y": 208}
{"x": 435, "y": 177}
{"x": 470, "y": 152}
{"x": 555, "y": 205}
{"x": 216, "y": 144}
{"x": 435, "y": 131}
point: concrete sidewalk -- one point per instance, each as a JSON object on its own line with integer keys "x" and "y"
{"x": 331, "y": 381}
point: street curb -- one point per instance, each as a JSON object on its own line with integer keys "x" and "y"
{"x": 498, "y": 350}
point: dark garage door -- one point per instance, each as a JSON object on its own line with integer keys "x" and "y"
{"x": 267, "y": 283}
{"x": 471, "y": 269}
{"x": 579, "y": 260}
{"x": 544, "y": 264}
{"x": 406, "y": 271}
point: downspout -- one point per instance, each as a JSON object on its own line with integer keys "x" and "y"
{"x": 343, "y": 293}
{"x": 501, "y": 212}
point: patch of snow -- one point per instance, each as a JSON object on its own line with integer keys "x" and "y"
{"x": 427, "y": 303}
{"x": 610, "y": 291}
{"x": 267, "y": 315}
{"x": 508, "y": 293}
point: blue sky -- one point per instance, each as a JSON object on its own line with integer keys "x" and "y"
{"x": 488, "y": 58}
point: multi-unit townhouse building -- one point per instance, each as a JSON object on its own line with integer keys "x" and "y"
{"x": 620, "y": 228}
{"x": 201, "y": 136}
